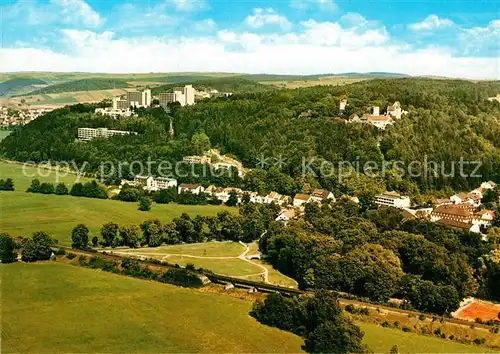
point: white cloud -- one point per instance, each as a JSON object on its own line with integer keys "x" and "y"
{"x": 311, "y": 51}
{"x": 206, "y": 25}
{"x": 189, "y": 5}
{"x": 322, "y": 5}
{"x": 331, "y": 33}
{"x": 68, "y": 12}
{"x": 263, "y": 17}
{"x": 478, "y": 39}
{"x": 74, "y": 11}
{"x": 431, "y": 22}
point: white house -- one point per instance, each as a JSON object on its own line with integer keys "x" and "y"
{"x": 192, "y": 188}
{"x": 484, "y": 218}
{"x": 288, "y": 214}
{"x": 473, "y": 199}
{"x": 392, "y": 199}
{"x": 153, "y": 184}
{"x": 318, "y": 195}
{"x": 395, "y": 110}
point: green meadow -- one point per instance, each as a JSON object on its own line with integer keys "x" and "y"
{"x": 24, "y": 213}
{"x": 54, "y": 307}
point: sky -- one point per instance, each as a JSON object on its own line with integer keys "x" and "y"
{"x": 454, "y": 38}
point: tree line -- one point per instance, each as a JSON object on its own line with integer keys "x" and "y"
{"x": 89, "y": 190}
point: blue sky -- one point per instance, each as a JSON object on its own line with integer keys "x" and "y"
{"x": 459, "y": 38}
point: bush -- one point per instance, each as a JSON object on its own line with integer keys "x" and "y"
{"x": 396, "y": 324}
{"x": 421, "y": 317}
{"x": 406, "y": 329}
{"x": 182, "y": 277}
{"x": 59, "y": 252}
{"x": 82, "y": 260}
{"x": 70, "y": 255}
{"x": 385, "y": 324}
{"x": 350, "y": 308}
{"x": 6, "y": 185}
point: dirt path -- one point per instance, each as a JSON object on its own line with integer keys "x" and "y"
{"x": 243, "y": 257}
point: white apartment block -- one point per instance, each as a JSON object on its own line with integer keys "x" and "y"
{"x": 115, "y": 113}
{"x": 392, "y": 199}
{"x": 140, "y": 98}
{"x": 92, "y": 133}
{"x": 155, "y": 183}
{"x": 201, "y": 160}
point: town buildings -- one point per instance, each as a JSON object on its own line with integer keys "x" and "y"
{"x": 200, "y": 160}
{"x": 21, "y": 116}
{"x": 392, "y": 199}
{"x": 93, "y": 133}
{"x": 191, "y": 188}
{"x": 115, "y": 113}
{"x": 317, "y": 196}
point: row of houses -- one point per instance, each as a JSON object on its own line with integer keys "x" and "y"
{"x": 11, "y": 116}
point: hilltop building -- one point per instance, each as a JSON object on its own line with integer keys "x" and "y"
{"x": 184, "y": 95}
{"x": 115, "y": 113}
{"x": 91, "y": 133}
{"x": 343, "y": 104}
{"x": 200, "y": 160}
{"x": 392, "y": 199}
{"x": 151, "y": 183}
{"x": 395, "y": 111}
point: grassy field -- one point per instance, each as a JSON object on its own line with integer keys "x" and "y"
{"x": 207, "y": 249}
{"x": 322, "y": 81}
{"x": 24, "y": 213}
{"x": 381, "y": 340}
{"x": 4, "y": 134}
{"x": 57, "y": 307}
{"x": 51, "y": 307}
{"x": 232, "y": 267}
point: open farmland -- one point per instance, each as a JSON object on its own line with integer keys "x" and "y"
{"x": 24, "y": 213}
{"x": 55, "y": 307}
{"x": 322, "y": 81}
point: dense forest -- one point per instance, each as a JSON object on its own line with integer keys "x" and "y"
{"x": 378, "y": 255}
{"x": 448, "y": 121}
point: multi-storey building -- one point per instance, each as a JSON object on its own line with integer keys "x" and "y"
{"x": 140, "y": 98}
{"x": 392, "y": 199}
{"x": 92, "y": 133}
{"x": 184, "y": 95}
{"x": 154, "y": 183}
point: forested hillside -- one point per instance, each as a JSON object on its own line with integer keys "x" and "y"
{"x": 448, "y": 121}
{"x": 84, "y": 85}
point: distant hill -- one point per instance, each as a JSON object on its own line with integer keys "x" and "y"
{"x": 13, "y": 86}
{"x": 225, "y": 84}
{"x": 92, "y": 84}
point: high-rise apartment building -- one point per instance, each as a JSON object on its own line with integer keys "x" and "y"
{"x": 183, "y": 95}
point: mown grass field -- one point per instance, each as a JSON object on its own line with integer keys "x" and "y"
{"x": 4, "y": 134}
{"x": 24, "y": 213}
{"x": 207, "y": 249}
{"x": 52, "y": 307}
{"x": 381, "y": 340}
